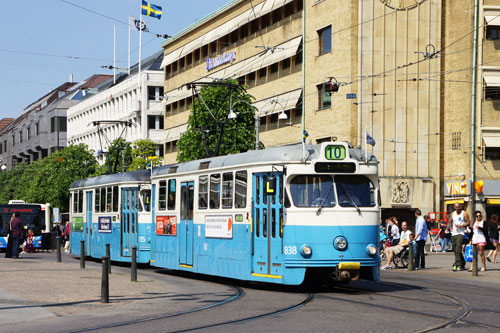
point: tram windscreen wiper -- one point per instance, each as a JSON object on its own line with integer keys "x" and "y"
{"x": 350, "y": 198}
{"x": 323, "y": 202}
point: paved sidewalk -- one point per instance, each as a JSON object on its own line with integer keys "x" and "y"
{"x": 441, "y": 264}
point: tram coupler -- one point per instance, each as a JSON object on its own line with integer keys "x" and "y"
{"x": 346, "y": 271}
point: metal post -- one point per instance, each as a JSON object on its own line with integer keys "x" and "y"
{"x": 410, "y": 257}
{"x": 108, "y": 254}
{"x": 474, "y": 260}
{"x": 58, "y": 247}
{"x": 82, "y": 254}
{"x": 105, "y": 281}
{"x": 133, "y": 271}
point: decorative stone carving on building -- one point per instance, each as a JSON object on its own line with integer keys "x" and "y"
{"x": 400, "y": 192}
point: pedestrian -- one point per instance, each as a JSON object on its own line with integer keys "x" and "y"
{"x": 17, "y": 234}
{"x": 421, "y": 239}
{"x": 66, "y": 237}
{"x": 444, "y": 237}
{"x": 458, "y": 222}
{"x": 395, "y": 236}
{"x": 10, "y": 241}
{"x": 493, "y": 233}
{"x": 392, "y": 251}
{"x": 479, "y": 237}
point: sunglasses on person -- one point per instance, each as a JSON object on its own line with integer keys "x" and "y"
{"x": 478, "y": 215}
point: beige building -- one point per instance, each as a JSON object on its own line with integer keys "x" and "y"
{"x": 405, "y": 70}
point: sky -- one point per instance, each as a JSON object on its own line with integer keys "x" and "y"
{"x": 44, "y": 41}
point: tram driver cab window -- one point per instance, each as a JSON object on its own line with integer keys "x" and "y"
{"x": 145, "y": 200}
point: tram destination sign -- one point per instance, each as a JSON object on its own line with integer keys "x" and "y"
{"x": 335, "y": 152}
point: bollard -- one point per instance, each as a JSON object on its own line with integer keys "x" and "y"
{"x": 410, "y": 257}
{"x": 474, "y": 260}
{"x": 58, "y": 247}
{"x": 108, "y": 254}
{"x": 105, "y": 281}
{"x": 82, "y": 254}
{"x": 133, "y": 271}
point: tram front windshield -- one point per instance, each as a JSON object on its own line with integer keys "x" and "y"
{"x": 327, "y": 191}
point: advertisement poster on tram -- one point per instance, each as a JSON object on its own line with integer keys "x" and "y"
{"x": 104, "y": 224}
{"x": 218, "y": 226}
{"x": 166, "y": 225}
{"x": 77, "y": 223}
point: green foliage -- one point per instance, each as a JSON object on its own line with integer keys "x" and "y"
{"x": 239, "y": 133}
{"x": 48, "y": 180}
{"x": 115, "y": 156}
{"x": 142, "y": 149}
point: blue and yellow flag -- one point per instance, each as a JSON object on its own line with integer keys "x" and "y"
{"x": 304, "y": 136}
{"x": 151, "y": 10}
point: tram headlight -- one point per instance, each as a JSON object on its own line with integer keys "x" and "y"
{"x": 306, "y": 251}
{"x": 340, "y": 243}
{"x": 371, "y": 250}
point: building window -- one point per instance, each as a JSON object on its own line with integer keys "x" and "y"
{"x": 492, "y": 32}
{"x": 57, "y": 124}
{"x": 456, "y": 140}
{"x": 324, "y": 98}
{"x": 13, "y": 139}
{"x": 21, "y": 136}
{"x": 325, "y": 40}
{"x": 492, "y": 93}
{"x": 492, "y": 153}
{"x": 155, "y": 93}
{"x": 28, "y": 133}
{"x": 155, "y": 122}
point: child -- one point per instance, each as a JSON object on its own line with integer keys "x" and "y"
{"x": 29, "y": 242}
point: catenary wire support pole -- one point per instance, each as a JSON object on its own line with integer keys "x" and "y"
{"x": 82, "y": 254}
{"x": 105, "y": 280}
{"x": 474, "y": 260}
{"x": 58, "y": 247}
{"x": 108, "y": 254}
{"x": 133, "y": 270}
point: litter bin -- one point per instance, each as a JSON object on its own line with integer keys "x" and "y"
{"x": 49, "y": 240}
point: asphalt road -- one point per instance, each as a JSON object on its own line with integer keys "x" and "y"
{"x": 419, "y": 301}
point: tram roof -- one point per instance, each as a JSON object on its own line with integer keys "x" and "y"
{"x": 124, "y": 177}
{"x": 289, "y": 153}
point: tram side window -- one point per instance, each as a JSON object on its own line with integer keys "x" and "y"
{"x": 312, "y": 191}
{"x": 240, "y": 195}
{"x": 171, "y": 194}
{"x": 97, "y": 201}
{"x": 109, "y": 199}
{"x": 115, "y": 198}
{"x": 103, "y": 199}
{"x": 355, "y": 191}
{"x": 80, "y": 201}
{"x": 202, "y": 192}
{"x": 162, "y": 195}
{"x": 215, "y": 191}
{"x": 227, "y": 190}
{"x": 75, "y": 202}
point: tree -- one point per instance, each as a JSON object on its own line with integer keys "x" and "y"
{"x": 142, "y": 150}
{"x": 209, "y": 118}
{"x": 49, "y": 180}
{"x": 115, "y": 160}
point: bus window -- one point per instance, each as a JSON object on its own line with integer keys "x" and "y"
{"x": 162, "y": 195}
{"x": 215, "y": 191}
{"x": 115, "y": 198}
{"x": 355, "y": 191}
{"x": 227, "y": 190}
{"x": 171, "y": 194}
{"x": 240, "y": 195}
{"x": 312, "y": 191}
{"x": 202, "y": 192}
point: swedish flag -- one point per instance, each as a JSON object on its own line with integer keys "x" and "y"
{"x": 151, "y": 10}
{"x": 304, "y": 136}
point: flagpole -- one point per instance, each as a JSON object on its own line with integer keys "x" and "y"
{"x": 140, "y": 42}
{"x": 114, "y": 53}
{"x": 129, "y": 44}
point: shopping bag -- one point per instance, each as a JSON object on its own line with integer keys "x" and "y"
{"x": 468, "y": 253}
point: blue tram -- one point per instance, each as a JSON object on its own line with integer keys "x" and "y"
{"x": 112, "y": 209}
{"x": 270, "y": 215}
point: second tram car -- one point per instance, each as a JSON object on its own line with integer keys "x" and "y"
{"x": 112, "y": 209}
{"x": 266, "y": 215}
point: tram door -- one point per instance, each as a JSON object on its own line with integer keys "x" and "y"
{"x": 88, "y": 227}
{"x": 186, "y": 230}
{"x": 267, "y": 226}
{"x": 129, "y": 220}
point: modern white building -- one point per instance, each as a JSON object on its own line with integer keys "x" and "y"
{"x": 135, "y": 98}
